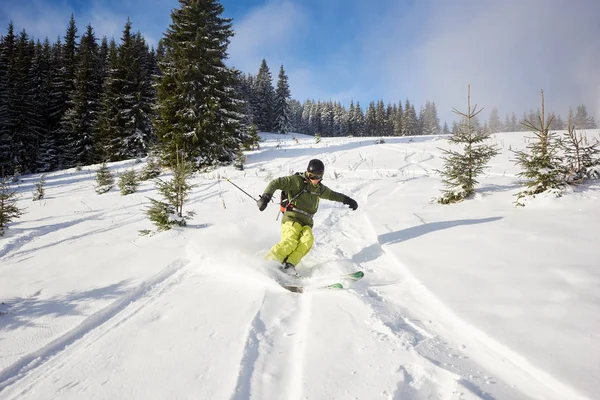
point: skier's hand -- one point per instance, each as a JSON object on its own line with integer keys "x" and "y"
{"x": 263, "y": 201}
{"x": 351, "y": 203}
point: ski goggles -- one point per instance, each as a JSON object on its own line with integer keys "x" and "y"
{"x": 315, "y": 177}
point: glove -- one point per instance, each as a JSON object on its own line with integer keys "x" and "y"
{"x": 263, "y": 201}
{"x": 351, "y": 203}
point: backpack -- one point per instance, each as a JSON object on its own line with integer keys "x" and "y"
{"x": 285, "y": 203}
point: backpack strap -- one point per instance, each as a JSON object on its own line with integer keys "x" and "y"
{"x": 286, "y": 204}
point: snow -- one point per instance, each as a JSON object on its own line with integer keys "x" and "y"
{"x": 480, "y": 299}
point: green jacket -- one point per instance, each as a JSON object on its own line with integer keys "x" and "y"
{"x": 308, "y": 201}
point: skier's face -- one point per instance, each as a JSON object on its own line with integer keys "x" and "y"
{"x": 314, "y": 178}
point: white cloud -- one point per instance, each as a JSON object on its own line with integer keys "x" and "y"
{"x": 266, "y": 32}
{"x": 508, "y": 51}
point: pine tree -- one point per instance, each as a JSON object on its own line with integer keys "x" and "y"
{"x": 295, "y": 116}
{"x": 165, "y": 214}
{"x": 398, "y": 115}
{"x": 7, "y": 61}
{"x": 128, "y": 182}
{"x": 152, "y": 168}
{"x": 65, "y": 85}
{"x": 40, "y": 190}
{"x": 370, "y": 120}
{"x": 197, "y": 102}
{"x": 409, "y": 121}
{"x": 351, "y": 120}
{"x": 84, "y": 103}
{"x": 541, "y": 164}
{"x": 253, "y": 140}
{"x": 125, "y": 126}
{"x": 581, "y": 157}
{"x": 8, "y": 207}
{"x": 23, "y": 122}
{"x": 41, "y": 95}
{"x": 359, "y": 120}
{"x": 281, "y": 104}
{"x": 431, "y": 121}
{"x": 264, "y": 98}
{"x": 461, "y": 169}
{"x": 104, "y": 179}
{"x": 379, "y": 121}
{"x": 582, "y": 120}
{"x": 495, "y": 125}
{"x": 445, "y": 130}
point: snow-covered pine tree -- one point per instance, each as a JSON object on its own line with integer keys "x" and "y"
{"x": 128, "y": 182}
{"x": 581, "y": 157}
{"x": 125, "y": 128}
{"x": 40, "y": 190}
{"x": 370, "y": 120}
{"x": 22, "y": 126}
{"x": 295, "y": 116}
{"x": 41, "y": 94}
{"x": 582, "y": 120}
{"x": 104, "y": 179}
{"x": 359, "y": 120}
{"x": 64, "y": 86}
{"x": 541, "y": 164}
{"x": 340, "y": 120}
{"x": 398, "y": 117}
{"x": 199, "y": 109}
{"x": 281, "y": 107}
{"x": 431, "y": 121}
{"x": 253, "y": 140}
{"x": 8, "y": 207}
{"x": 494, "y": 124}
{"x": 152, "y": 168}
{"x": 264, "y": 98}
{"x": 445, "y": 130}
{"x": 409, "y": 122}
{"x": 164, "y": 214}
{"x": 109, "y": 126}
{"x": 7, "y": 57}
{"x": 326, "y": 119}
{"x": 461, "y": 169}
{"x": 84, "y": 103}
{"x": 379, "y": 127}
{"x": 351, "y": 130}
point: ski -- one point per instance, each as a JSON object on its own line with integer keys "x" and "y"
{"x": 352, "y": 277}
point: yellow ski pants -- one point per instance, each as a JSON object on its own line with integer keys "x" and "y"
{"x": 296, "y": 241}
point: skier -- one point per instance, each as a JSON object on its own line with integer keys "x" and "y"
{"x": 300, "y": 201}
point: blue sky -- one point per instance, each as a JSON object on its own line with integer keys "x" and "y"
{"x": 383, "y": 49}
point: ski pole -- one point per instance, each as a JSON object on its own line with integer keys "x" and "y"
{"x": 246, "y": 193}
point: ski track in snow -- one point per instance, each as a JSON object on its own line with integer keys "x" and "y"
{"x": 41, "y": 363}
{"x": 272, "y": 363}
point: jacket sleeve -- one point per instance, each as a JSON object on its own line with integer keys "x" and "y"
{"x": 288, "y": 183}
{"x": 329, "y": 194}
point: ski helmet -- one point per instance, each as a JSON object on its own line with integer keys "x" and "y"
{"x": 316, "y": 167}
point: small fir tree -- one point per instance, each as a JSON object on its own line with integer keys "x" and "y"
{"x": 253, "y": 140}
{"x": 165, "y": 214}
{"x": 461, "y": 169}
{"x": 317, "y": 138}
{"x": 8, "y": 207}
{"x": 40, "y": 191}
{"x": 541, "y": 164}
{"x": 582, "y": 159}
{"x": 104, "y": 179}
{"x": 151, "y": 170}
{"x": 240, "y": 159}
{"x": 128, "y": 182}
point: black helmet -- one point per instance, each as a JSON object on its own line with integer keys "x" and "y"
{"x": 316, "y": 167}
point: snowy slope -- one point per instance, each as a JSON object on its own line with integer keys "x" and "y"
{"x": 474, "y": 300}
